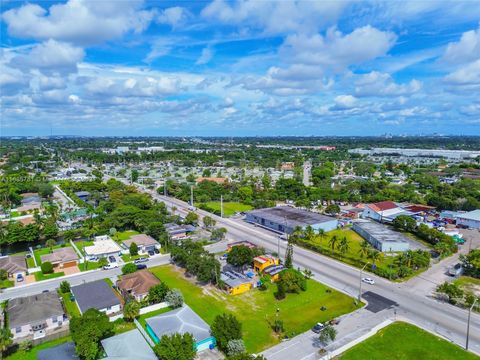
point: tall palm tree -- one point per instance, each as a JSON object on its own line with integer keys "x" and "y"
{"x": 321, "y": 234}
{"x": 344, "y": 246}
{"x": 374, "y": 255}
{"x": 309, "y": 233}
{"x": 333, "y": 241}
{"x": 364, "y": 248}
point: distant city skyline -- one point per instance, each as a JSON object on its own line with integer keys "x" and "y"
{"x": 240, "y": 68}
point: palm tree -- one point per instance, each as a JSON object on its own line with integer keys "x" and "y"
{"x": 364, "y": 248}
{"x": 333, "y": 241}
{"x": 131, "y": 310}
{"x": 309, "y": 233}
{"x": 374, "y": 255}
{"x": 321, "y": 233}
{"x": 344, "y": 246}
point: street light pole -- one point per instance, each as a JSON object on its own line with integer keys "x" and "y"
{"x": 360, "y": 282}
{"x": 221, "y": 206}
{"x": 191, "y": 195}
{"x": 468, "y": 323}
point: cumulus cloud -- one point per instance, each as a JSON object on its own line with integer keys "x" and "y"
{"x": 465, "y": 50}
{"x": 131, "y": 87}
{"x": 173, "y": 16}
{"x": 276, "y": 17}
{"x": 50, "y": 57}
{"x": 345, "y": 102}
{"x": 81, "y": 22}
{"x": 466, "y": 75}
{"x": 381, "y": 84}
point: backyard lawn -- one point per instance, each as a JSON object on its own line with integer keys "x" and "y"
{"x": 124, "y": 235}
{"x": 39, "y": 276}
{"x": 229, "y": 208}
{"x": 70, "y": 306}
{"x": 402, "y": 341}
{"x": 32, "y": 354}
{"x": 30, "y": 262}
{"x": 141, "y": 319}
{"x": 256, "y": 309}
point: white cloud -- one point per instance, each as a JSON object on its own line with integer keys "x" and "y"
{"x": 381, "y": 84}
{"x": 274, "y": 17}
{"x": 205, "y": 57}
{"x": 133, "y": 87}
{"x": 466, "y": 75}
{"x": 173, "y": 16}
{"x": 345, "y": 102}
{"x": 50, "y": 57}
{"x": 78, "y": 21}
{"x": 465, "y": 50}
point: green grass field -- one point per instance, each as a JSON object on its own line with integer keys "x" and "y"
{"x": 141, "y": 319}
{"x": 402, "y": 341}
{"x": 32, "y": 354}
{"x": 30, "y": 262}
{"x": 229, "y": 208}
{"x": 89, "y": 265}
{"x": 124, "y": 235}
{"x": 40, "y": 277}
{"x": 70, "y": 306}
{"x": 82, "y": 243}
{"x": 6, "y": 284}
{"x": 256, "y": 309}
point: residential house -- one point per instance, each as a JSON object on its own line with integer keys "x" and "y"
{"x": 180, "y": 321}
{"x": 178, "y": 232}
{"x": 274, "y": 271}
{"x": 126, "y": 346}
{"x": 261, "y": 262}
{"x": 36, "y": 316}
{"x": 235, "y": 282}
{"x": 28, "y": 208}
{"x": 83, "y": 195}
{"x": 97, "y": 295}
{"x": 137, "y": 284}
{"x": 103, "y": 246}
{"x": 14, "y": 265}
{"x": 62, "y": 257}
{"x": 144, "y": 242}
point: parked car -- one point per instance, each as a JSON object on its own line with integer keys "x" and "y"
{"x": 156, "y": 251}
{"x": 368, "y": 280}
{"x": 334, "y": 322}
{"x": 93, "y": 258}
{"x": 318, "y": 327}
{"x": 112, "y": 259}
{"x": 110, "y": 266}
{"x": 20, "y": 278}
{"x": 141, "y": 266}
{"x": 141, "y": 260}
{"x": 151, "y": 252}
{"x": 455, "y": 270}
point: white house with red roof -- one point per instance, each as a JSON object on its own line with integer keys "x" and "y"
{"x": 383, "y": 211}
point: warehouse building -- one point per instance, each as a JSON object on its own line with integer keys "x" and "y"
{"x": 381, "y": 237}
{"x": 470, "y": 219}
{"x": 285, "y": 219}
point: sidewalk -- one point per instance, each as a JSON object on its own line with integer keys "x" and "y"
{"x": 352, "y": 328}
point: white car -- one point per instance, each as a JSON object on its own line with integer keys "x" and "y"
{"x": 110, "y": 266}
{"x": 368, "y": 280}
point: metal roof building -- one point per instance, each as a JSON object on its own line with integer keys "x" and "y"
{"x": 285, "y": 219}
{"x": 381, "y": 237}
{"x": 470, "y": 219}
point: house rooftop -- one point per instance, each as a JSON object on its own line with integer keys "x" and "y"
{"x": 141, "y": 239}
{"x": 60, "y": 255}
{"x": 139, "y": 282}
{"x": 471, "y": 215}
{"x": 290, "y": 216}
{"x": 263, "y": 259}
{"x": 100, "y": 247}
{"x": 182, "y": 320}
{"x": 96, "y": 294}
{"x": 383, "y": 205}
{"x": 13, "y": 264}
{"x": 273, "y": 270}
{"x": 126, "y": 346}
{"x": 33, "y": 309}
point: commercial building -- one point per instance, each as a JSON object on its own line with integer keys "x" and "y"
{"x": 470, "y": 219}
{"x": 264, "y": 261}
{"x": 36, "y": 316}
{"x": 384, "y": 211}
{"x": 381, "y": 237}
{"x": 182, "y": 320}
{"x": 421, "y": 153}
{"x": 96, "y": 295}
{"x": 285, "y": 219}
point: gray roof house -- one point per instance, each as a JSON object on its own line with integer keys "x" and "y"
{"x": 65, "y": 351}
{"x": 97, "y": 295}
{"x": 13, "y": 264}
{"x": 126, "y": 346}
{"x": 35, "y": 315}
{"x": 182, "y": 320}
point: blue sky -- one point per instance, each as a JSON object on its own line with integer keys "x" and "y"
{"x": 240, "y": 67}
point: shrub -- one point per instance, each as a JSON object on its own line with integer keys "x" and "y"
{"x": 174, "y": 298}
{"x": 133, "y": 249}
{"x": 129, "y": 268}
{"x": 46, "y": 267}
{"x": 235, "y": 347}
{"x": 157, "y": 293}
{"x": 64, "y": 287}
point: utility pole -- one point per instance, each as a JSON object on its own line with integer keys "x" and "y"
{"x": 468, "y": 323}
{"x": 360, "y": 282}
{"x": 221, "y": 206}
{"x": 191, "y": 195}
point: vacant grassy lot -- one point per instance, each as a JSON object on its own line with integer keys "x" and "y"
{"x": 32, "y": 354}
{"x": 141, "y": 319}
{"x": 39, "y": 276}
{"x": 402, "y": 341}
{"x": 229, "y": 208}
{"x": 124, "y": 235}
{"x": 256, "y": 309}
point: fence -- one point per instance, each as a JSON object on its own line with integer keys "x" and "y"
{"x": 153, "y": 307}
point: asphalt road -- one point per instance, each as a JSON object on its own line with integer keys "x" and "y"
{"x": 413, "y": 303}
